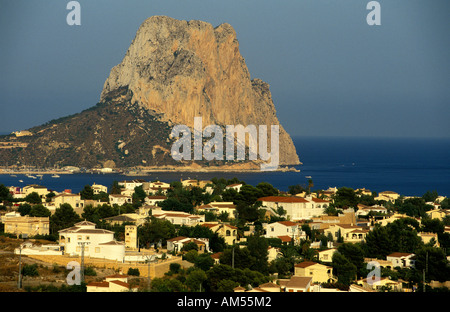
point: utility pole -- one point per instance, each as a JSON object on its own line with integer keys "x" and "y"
{"x": 19, "y": 282}
{"x": 82, "y": 262}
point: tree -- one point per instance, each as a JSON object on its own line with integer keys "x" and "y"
{"x": 267, "y": 189}
{"x": 139, "y": 195}
{"x": 430, "y": 196}
{"x": 353, "y": 253}
{"x": 24, "y": 209}
{"x": 343, "y": 269}
{"x": 204, "y": 262}
{"x": 296, "y": 189}
{"x": 116, "y": 188}
{"x": 39, "y": 211}
{"x": 87, "y": 193}
{"x": 258, "y": 247}
{"x": 5, "y": 195}
{"x": 217, "y": 275}
{"x": 33, "y": 198}
{"x": 64, "y": 217}
{"x": 155, "y": 231}
{"x": 434, "y": 262}
{"x": 345, "y": 197}
{"x": 195, "y": 280}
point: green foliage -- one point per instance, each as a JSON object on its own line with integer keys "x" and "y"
{"x": 63, "y": 217}
{"x": 133, "y": 272}
{"x": 343, "y": 269}
{"x": 195, "y": 280}
{"x": 24, "y": 209}
{"x": 175, "y": 268}
{"x": 345, "y": 197}
{"x": 39, "y": 211}
{"x": 33, "y": 198}
{"x": 155, "y": 231}
{"x": 87, "y": 192}
{"x": 5, "y": 195}
{"x": 296, "y": 189}
{"x": 30, "y": 270}
{"x": 90, "y": 271}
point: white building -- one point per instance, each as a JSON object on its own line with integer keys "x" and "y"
{"x": 236, "y": 187}
{"x": 179, "y": 217}
{"x": 98, "y": 243}
{"x": 284, "y": 228}
{"x": 130, "y": 185}
{"x": 112, "y": 283}
{"x": 297, "y": 208}
{"x": 152, "y": 200}
{"x": 98, "y": 188}
{"x": 402, "y": 259}
{"x": 120, "y": 199}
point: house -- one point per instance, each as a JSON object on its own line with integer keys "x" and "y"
{"x": 318, "y": 272}
{"x": 216, "y": 257}
{"x": 326, "y": 255}
{"x": 131, "y": 184}
{"x": 154, "y": 199}
{"x": 124, "y": 218}
{"x": 392, "y": 218}
{"x": 112, "y": 283}
{"x": 273, "y": 253}
{"x": 401, "y": 259}
{"x": 97, "y": 188}
{"x": 98, "y": 243}
{"x": 227, "y": 231}
{"x": 119, "y": 199}
{"x": 34, "y": 188}
{"x": 379, "y": 284}
{"x": 364, "y": 211}
{"x": 176, "y": 244}
{"x": 270, "y": 287}
{"x": 324, "y": 221}
{"x": 297, "y": 284}
{"x": 236, "y": 187}
{"x": 74, "y": 200}
{"x": 27, "y": 226}
{"x": 218, "y": 208}
{"x": 427, "y": 237}
{"x": 387, "y": 196}
{"x": 195, "y": 183}
{"x": 363, "y": 191}
{"x": 179, "y": 217}
{"x": 348, "y": 232}
{"x": 284, "y": 228}
{"x": 297, "y": 208}
{"x": 437, "y": 214}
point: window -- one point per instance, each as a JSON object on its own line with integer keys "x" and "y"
{"x": 79, "y": 237}
{"x": 97, "y": 249}
{"x": 228, "y": 233}
{"x": 87, "y": 237}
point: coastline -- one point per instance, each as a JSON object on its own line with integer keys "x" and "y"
{"x": 144, "y": 172}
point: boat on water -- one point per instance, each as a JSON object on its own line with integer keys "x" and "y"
{"x": 55, "y": 176}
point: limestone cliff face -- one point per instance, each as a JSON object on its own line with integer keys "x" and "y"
{"x": 186, "y": 69}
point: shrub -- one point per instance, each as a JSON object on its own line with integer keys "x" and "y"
{"x": 132, "y": 271}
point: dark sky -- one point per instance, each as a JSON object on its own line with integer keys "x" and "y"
{"x": 330, "y": 73}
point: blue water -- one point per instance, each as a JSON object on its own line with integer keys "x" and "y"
{"x": 407, "y": 166}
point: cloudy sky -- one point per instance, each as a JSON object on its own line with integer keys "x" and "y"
{"x": 330, "y": 73}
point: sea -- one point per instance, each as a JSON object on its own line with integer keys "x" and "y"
{"x": 408, "y": 166}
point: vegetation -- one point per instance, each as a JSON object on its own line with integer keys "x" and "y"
{"x": 246, "y": 264}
